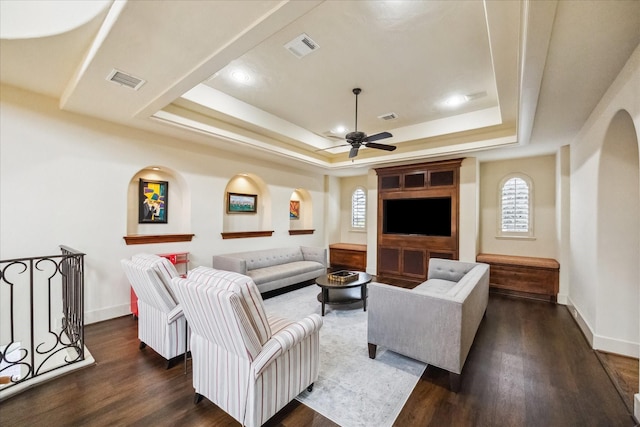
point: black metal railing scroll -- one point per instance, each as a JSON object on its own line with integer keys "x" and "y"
{"x": 41, "y": 315}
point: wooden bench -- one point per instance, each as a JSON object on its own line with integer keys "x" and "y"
{"x": 523, "y": 276}
{"x": 348, "y": 256}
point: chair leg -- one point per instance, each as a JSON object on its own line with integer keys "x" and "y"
{"x": 142, "y": 345}
{"x": 454, "y": 382}
{"x": 197, "y": 398}
{"x": 310, "y": 388}
{"x": 372, "y": 350}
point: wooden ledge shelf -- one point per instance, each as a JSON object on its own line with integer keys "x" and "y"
{"x": 246, "y": 234}
{"x": 142, "y": 239}
{"x": 298, "y": 232}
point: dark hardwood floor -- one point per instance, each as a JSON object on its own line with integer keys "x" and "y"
{"x": 623, "y": 371}
{"x": 529, "y": 366}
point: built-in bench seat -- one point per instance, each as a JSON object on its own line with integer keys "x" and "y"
{"x": 531, "y": 277}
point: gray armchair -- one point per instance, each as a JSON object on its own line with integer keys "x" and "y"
{"x": 437, "y": 321}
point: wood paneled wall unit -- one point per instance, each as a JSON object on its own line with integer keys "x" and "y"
{"x": 405, "y": 255}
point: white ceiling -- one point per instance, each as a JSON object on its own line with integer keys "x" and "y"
{"x": 536, "y": 70}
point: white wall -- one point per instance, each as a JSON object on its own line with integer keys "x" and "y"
{"x": 65, "y": 180}
{"x": 563, "y": 197}
{"x": 468, "y": 234}
{"x": 587, "y": 285}
{"x": 541, "y": 170}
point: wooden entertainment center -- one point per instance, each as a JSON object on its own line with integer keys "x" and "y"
{"x": 404, "y": 254}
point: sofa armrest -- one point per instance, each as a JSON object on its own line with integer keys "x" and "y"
{"x": 229, "y": 263}
{"x": 175, "y": 314}
{"x": 285, "y": 339}
{"x": 447, "y": 269}
{"x": 422, "y": 326}
{"x": 314, "y": 254}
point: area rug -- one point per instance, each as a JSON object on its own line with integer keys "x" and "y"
{"x": 352, "y": 390}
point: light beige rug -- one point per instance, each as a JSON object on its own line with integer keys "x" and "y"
{"x": 352, "y": 390}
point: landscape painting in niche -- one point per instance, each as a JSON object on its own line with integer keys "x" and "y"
{"x": 242, "y": 203}
{"x": 294, "y": 209}
{"x": 153, "y": 201}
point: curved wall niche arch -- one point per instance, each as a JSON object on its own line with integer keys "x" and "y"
{"x": 618, "y": 234}
{"x": 235, "y": 224}
{"x": 178, "y": 208}
{"x": 302, "y": 199}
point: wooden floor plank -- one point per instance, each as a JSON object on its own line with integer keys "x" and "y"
{"x": 529, "y": 366}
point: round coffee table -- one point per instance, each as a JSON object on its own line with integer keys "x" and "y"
{"x": 334, "y": 292}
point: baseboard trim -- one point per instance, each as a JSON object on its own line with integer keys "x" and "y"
{"x": 562, "y": 299}
{"x": 617, "y": 346}
{"x": 580, "y": 321}
{"x": 106, "y": 313}
{"x": 599, "y": 342}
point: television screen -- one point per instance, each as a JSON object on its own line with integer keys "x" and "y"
{"x": 423, "y": 217}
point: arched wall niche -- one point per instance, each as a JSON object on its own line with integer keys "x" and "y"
{"x": 618, "y": 234}
{"x": 179, "y": 203}
{"x": 247, "y": 183}
{"x": 305, "y": 210}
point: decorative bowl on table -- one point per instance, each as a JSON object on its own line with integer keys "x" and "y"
{"x": 342, "y": 276}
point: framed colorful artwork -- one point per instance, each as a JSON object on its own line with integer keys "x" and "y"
{"x": 294, "y": 209}
{"x": 153, "y": 201}
{"x": 242, "y": 203}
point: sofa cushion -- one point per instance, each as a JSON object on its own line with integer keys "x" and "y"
{"x": 448, "y": 269}
{"x": 436, "y": 286}
{"x": 267, "y": 258}
{"x": 281, "y": 271}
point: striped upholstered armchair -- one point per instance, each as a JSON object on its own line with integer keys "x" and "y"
{"x": 161, "y": 322}
{"x": 248, "y": 364}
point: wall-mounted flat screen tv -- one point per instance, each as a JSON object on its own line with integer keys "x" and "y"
{"x": 423, "y": 217}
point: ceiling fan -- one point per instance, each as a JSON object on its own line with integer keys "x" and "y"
{"x": 357, "y": 139}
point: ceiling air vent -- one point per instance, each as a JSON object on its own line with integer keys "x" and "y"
{"x": 388, "y": 116}
{"x": 124, "y": 79}
{"x": 301, "y": 46}
{"x": 474, "y": 96}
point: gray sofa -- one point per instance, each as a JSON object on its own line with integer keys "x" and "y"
{"x": 276, "y": 268}
{"x": 436, "y": 321}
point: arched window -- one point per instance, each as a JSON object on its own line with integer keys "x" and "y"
{"x": 516, "y": 214}
{"x": 358, "y": 209}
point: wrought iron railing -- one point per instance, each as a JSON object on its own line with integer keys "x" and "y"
{"x": 41, "y": 315}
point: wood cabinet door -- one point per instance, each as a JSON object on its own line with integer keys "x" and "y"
{"x": 389, "y": 260}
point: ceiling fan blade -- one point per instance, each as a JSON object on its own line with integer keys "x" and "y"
{"x": 377, "y": 136}
{"x": 380, "y": 146}
{"x": 354, "y": 151}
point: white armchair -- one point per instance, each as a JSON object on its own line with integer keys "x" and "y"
{"x": 161, "y": 322}
{"x": 248, "y": 364}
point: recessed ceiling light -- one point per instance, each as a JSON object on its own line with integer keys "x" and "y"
{"x": 240, "y": 76}
{"x": 339, "y": 129}
{"x": 455, "y": 100}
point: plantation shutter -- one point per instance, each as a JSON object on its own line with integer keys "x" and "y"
{"x": 515, "y": 206}
{"x": 358, "y": 208}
